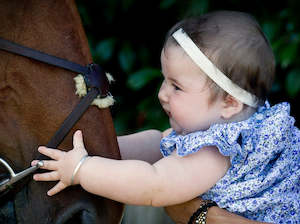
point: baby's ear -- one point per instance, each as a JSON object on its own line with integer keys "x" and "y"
{"x": 231, "y": 107}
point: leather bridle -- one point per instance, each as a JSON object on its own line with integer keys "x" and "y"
{"x": 97, "y": 84}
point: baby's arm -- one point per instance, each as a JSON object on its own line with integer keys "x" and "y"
{"x": 141, "y": 146}
{"x": 171, "y": 180}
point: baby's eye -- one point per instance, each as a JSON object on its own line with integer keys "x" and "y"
{"x": 176, "y": 87}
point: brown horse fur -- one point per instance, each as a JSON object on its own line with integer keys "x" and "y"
{"x": 34, "y": 100}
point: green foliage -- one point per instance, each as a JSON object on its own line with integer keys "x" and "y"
{"x": 104, "y": 49}
{"x": 126, "y": 58}
{"x": 141, "y": 78}
{"x": 292, "y": 82}
{"x": 126, "y": 37}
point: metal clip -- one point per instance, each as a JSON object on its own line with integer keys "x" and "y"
{"x": 15, "y": 177}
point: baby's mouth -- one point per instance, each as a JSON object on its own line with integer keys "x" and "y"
{"x": 169, "y": 114}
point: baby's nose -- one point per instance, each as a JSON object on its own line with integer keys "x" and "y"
{"x": 163, "y": 93}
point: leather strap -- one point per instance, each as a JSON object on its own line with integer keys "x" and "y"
{"x": 42, "y": 57}
{"x": 73, "y": 117}
{"x": 70, "y": 121}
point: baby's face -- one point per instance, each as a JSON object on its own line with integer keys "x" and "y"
{"x": 184, "y": 94}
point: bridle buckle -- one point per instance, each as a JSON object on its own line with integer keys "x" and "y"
{"x": 96, "y": 78}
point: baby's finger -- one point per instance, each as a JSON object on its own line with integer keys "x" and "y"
{"x": 49, "y": 176}
{"x": 49, "y": 165}
{"x": 52, "y": 153}
{"x": 78, "y": 139}
{"x": 57, "y": 188}
{"x": 34, "y": 162}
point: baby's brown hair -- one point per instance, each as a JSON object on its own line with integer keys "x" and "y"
{"x": 236, "y": 44}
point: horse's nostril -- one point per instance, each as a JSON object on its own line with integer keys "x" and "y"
{"x": 81, "y": 217}
{"x": 87, "y": 217}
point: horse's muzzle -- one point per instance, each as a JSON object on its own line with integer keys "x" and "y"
{"x": 79, "y": 213}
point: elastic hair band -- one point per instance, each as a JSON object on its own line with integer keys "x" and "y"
{"x": 212, "y": 71}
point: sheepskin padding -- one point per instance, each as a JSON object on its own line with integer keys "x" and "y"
{"x": 81, "y": 90}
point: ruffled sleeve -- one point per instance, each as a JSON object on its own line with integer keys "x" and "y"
{"x": 226, "y": 137}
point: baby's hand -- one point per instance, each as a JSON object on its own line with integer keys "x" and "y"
{"x": 63, "y": 164}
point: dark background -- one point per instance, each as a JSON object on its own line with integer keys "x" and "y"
{"x": 126, "y": 38}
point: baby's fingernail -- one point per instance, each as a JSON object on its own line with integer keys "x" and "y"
{"x": 41, "y": 148}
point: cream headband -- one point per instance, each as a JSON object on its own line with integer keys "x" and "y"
{"x": 212, "y": 71}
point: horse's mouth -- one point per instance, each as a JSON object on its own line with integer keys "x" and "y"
{"x": 80, "y": 213}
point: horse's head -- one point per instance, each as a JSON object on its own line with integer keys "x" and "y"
{"x": 35, "y": 98}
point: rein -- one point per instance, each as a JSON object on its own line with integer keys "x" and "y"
{"x": 96, "y": 81}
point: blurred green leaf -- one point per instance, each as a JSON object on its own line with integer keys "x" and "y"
{"x": 283, "y": 13}
{"x": 290, "y": 27}
{"x": 141, "y": 78}
{"x": 292, "y": 83}
{"x": 270, "y": 29}
{"x": 144, "y": 55}
{"x": 121, "y": 122}
{"x": 196, "y": 7}
{"x": 126, "y": 58}
{"x": 84, "y": 15}
{"x": 276, "y": 87}
{"x": 165, "y": 4}
{"x": 295, "y": 37}
{"x": 288, "y": 54}
{"x": 105, "y": 49}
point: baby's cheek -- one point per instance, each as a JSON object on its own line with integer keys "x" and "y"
{"x": 179, "y": 122}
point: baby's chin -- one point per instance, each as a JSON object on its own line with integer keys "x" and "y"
{"x": 175, "y": 127}
{"x": 182, "y": 130}
{"x": 179, "y": 131}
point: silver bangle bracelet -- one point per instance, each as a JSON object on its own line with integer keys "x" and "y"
{"x": 77, "y": 167}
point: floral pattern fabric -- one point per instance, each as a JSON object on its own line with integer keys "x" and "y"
{"x": 263, "y": 182}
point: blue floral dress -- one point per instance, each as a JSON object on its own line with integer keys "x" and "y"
{"x": 263, "y": 182}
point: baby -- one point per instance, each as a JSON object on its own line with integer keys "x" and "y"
{"x": 227, "y": 143}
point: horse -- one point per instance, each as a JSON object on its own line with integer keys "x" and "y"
{"x": 35, "y": 98}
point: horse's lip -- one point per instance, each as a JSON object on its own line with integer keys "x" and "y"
{"x": 86, "y": 211}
